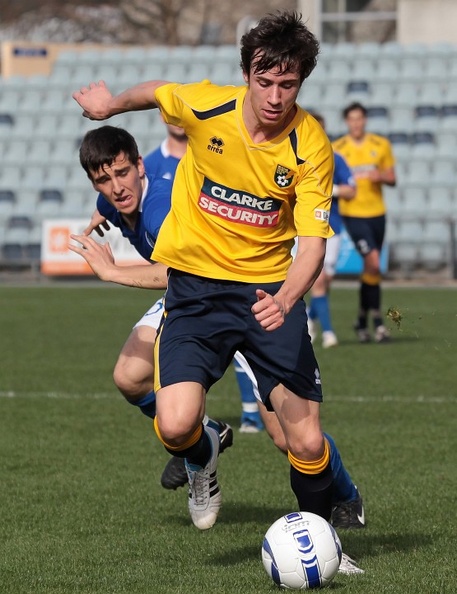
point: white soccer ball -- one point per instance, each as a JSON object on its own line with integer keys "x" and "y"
{"x": 301, "y": 550}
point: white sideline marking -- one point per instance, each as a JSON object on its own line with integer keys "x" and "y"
{"x": 360, "y": 399}
{"x": 57, "y": 395}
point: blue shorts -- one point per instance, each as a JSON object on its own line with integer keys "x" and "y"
{"x": 366, "y": 233}
{"x": 206, "y": 321}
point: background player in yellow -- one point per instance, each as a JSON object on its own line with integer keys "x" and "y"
{"x": 257, "y": 173}
{"x": 372, "y": 162}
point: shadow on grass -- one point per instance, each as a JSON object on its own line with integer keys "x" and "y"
{"x": 358, "y": 544}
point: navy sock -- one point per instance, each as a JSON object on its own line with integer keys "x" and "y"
{"x": 197, "y": 455}
{"x": 343, "y": 487}
{"x": 147, "y": 404}
{"x": 313, "y": 491}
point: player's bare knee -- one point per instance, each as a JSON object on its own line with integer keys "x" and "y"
{"x": 174, "y": 433}
{"x": 127, "y": 385}
{"x": 307, "y": 448}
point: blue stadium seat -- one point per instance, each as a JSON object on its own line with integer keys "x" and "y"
{"x": 433, "y": 255}
{"x": 19, "y": 221}
{"x": 406, "y": 255}
{"x": 406, "y": 94}
{"x": 440, "y": 200}
{"x": 358, "y": 90}
{"x": 8, "y": 201}
{"x": 378, "y": 119}
{"x": 435, "y": 68}
{"x": 430, "y": 94}
{"x": 387, "y": 70}
{"x": 363, "y": 69}
{"x": 418, "y": 171}
{"x": 414, "y": 200}
{"x": 436, "y": 231}
{"x": 427, "y": 118}
{"x": 222, "y": 73}
{"x": 381, "y": 93}
{"x": 443, "y": 174}
{"x": 449, "y": 117}
{"x": 339, "y": 71}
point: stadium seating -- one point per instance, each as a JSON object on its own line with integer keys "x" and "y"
{"x": 410, "y": 91}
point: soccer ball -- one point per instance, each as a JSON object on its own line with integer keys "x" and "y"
{"x": 301, "y": 550}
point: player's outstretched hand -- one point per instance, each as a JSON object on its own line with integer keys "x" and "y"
{"x": 268, "y": 311}
{"x": 99, "y": 256}
{"x": 98, "y": 223}
{"x": 94, "y": 100}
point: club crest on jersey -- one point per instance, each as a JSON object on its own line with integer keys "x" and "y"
{"x": 283, "y": 176}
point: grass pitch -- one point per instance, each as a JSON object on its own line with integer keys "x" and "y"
{"x": 82, "y": 510}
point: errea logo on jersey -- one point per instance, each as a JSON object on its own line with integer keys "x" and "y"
{"x": 215, "y": 145}
{"x": 283, "y": 176}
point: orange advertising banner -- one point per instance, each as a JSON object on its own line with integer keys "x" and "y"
{"x": 58, "y": 260}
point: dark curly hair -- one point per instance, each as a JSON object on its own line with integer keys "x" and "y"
{"x": 279, "y": 40}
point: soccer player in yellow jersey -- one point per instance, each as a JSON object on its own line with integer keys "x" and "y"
{"x": 257, "y": 173}
{"x": 372, "y": 162}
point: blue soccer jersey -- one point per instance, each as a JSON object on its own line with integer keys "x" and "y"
{"x": 342, "y": 175}
{"x": 159, "y": 163}
{"x": 154, "y": 207}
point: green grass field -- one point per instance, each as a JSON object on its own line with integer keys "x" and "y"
{"x": 81, "y": 506}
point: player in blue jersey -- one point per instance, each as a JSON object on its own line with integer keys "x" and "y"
{"x": 136, "y": 203}
{"x": 162, "y": 162}
{"x": 344, "y": 188}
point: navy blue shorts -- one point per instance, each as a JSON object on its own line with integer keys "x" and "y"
{"x": 206, "y": 321}
{"x": 366, "y": 233}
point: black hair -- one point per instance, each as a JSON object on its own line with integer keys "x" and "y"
{"x": 355, "y": 106}
{"x": 101, "y": 146}
{"x": 280, "y": 40}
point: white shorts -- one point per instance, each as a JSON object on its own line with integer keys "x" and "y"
{"x": 240, "y": 361}
{"x": 153, "y": 316}
{"x": 331, "y": 254}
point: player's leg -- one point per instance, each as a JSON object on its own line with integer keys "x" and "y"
{"x": 178, "y": 424}
{"x": 250, "y": 416}
{"x": 348, "y": 510}
{"x": 189, "y": 358}
{"x": 346, "y": 499}
{"x": 134, "y": 370}
{"x": 374, "y": 275}
{"x": 360, "y": 231}
{"x": 134, "y": 377}
{"x": 319, "y": 308}
{"x": 308, "y": 452}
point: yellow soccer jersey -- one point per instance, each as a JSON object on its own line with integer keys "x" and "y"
{"x": 237, "y": 206}
{"x": 374, "y": 152}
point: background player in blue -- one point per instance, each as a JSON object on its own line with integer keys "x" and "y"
{"x": 135, "y": 203}
{"x": 162, "y": 162}
{"x": 344, "y": 188}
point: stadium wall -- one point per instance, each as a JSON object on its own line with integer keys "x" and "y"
{"x": 28, "y": 58}
{"x": 426, "y": 21}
